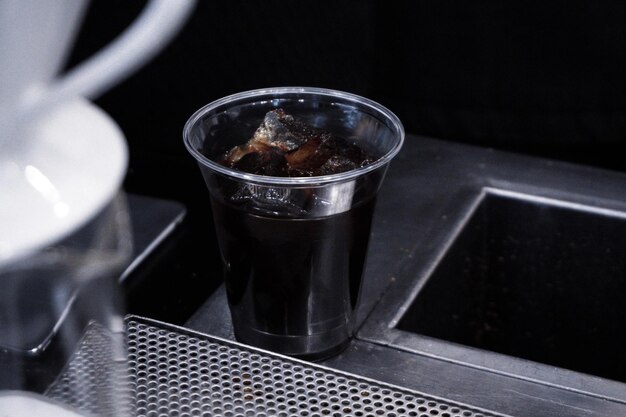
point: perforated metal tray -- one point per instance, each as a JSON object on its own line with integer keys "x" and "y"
{"x": 177, "y": 372}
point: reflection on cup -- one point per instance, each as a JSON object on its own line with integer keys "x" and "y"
{"x": 293, "y": 248}
{"x": 61, "y": 323}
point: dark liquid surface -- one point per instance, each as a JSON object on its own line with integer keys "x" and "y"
{"x": 293, "y": 276}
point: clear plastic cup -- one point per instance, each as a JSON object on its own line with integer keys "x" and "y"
{"x": 293, "y": 248}
{"x": 62, "y": 349}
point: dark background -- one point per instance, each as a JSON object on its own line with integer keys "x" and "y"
{"x": 542, "y": 78}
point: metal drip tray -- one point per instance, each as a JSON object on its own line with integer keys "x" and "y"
{"x": 177, "y": 372}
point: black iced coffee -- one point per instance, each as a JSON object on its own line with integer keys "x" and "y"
{"x": 293, "y": 175}
{"x": 285, "y": 274}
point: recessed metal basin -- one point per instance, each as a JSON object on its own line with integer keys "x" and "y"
{"x": 505, "y": 265}
{"x": 535, "y": 278}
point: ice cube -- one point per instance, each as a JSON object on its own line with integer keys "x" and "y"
{"x": 267, "y": 162}
{"x": 280, "y": 130}
{"x": 284, "y": 146}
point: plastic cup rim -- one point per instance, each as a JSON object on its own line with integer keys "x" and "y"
{"x": 294, "y": 181}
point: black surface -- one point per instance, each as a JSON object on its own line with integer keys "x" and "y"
{"x": 542, "y": 77}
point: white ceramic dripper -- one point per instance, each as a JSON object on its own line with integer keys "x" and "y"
{"x": 36, "y": 37}
{"x": 63, "y": 237}
{"x": 61, "y": 158}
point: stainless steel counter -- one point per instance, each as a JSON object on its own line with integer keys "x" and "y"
{"x": 435, "y": 195}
